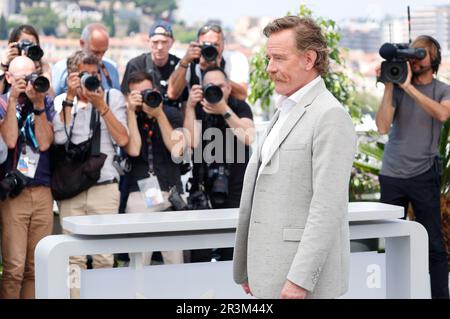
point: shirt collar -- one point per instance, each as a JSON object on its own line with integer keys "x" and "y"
{"x": 287, "y": 102}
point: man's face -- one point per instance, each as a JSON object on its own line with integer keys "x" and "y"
{"x": 286, "y": 65}
{"x": 160, "y": 46}
{"x": 217, "y": 78}
{"x": 98, "y": 44}
{"x": 419, "y": 67}
{"x": 215, "y": 39}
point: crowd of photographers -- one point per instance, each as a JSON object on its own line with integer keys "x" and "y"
{"x": 76, "y": 134}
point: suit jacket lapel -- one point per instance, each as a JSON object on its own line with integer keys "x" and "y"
{"x": 295, "y": 115}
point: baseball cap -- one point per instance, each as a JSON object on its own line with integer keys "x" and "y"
{"x": 161, "y": 28}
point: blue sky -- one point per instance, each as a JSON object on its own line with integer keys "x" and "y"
{"x": 230, "y": 10}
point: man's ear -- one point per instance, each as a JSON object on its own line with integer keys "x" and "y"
{"x": 82, "y": 43}
{"x": 310, "y": 58}
{"x": 9, "y": 77}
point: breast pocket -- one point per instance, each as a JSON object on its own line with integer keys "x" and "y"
{"x": 292, "y": 234}
{"x": 293, "y": 146}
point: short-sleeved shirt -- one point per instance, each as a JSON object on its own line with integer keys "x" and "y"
{"x": 142, "y": 63}
{"x": 82, "y": 132}
{"x": 25, "y": 118}
{"x": 59, "y": 76}
{"x": 236, "y": 68}
{"x": 165, "y": 169}
{"x": 414, "y": 136}
{"x": 237, "y": 163}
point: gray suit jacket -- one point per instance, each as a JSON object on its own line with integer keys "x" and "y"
{"x": 293, "y": 219}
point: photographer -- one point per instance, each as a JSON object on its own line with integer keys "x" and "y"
{"x": 219, "y": 176}
{"x": 410, "y": 173}
{"x": 77, "y": 108}
{"x": 159, "y": 63}
{"x": 207, "y": 52}
{"x": 24, "y": 40}
{"x": 95, "y": 40}
{"x": 27, "y": 211}
{"x": 155, "y": 142}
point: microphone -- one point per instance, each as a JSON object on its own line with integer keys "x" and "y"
{"x": 391, "y": 51}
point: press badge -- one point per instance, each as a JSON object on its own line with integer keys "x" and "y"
{"x": 28, "y": 162}
{"x": 151, "y": 191}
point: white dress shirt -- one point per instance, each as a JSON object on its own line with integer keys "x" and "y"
{"x": 285, "y": 105}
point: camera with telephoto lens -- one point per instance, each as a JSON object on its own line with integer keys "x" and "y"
{"x": 12, "y": 184}
{"x": 395, "y": 68}
{"x": 218, "y": 183}
{"x": 31, "y": 49}
{"x": 40, "y": 83}
{"x": 89, "y": 81}
{"x": 212, "y": 93}
{"x": 209, "y": 51}
{"x": 152, "y": 97}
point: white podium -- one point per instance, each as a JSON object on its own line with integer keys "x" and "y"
{"x": 406, "y": 252}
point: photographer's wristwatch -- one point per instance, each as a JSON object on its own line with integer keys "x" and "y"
{"x": 227, "y": 114}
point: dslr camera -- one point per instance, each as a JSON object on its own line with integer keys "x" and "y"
{"x": 209, "y": 51}
{"x": 152, "y": 97}
{"x": 89, "y": 81}
{"x": 12, "y": 184}
{"x": 31, "y": 49}
{"x": 395, "y": 68}
{"x": 40, "y": 83}
{"x": 212, "y": 93}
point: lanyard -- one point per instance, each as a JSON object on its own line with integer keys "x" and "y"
{"x": 28, "y": 126}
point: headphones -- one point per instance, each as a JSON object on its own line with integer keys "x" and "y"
{"x": 437, "y": 61}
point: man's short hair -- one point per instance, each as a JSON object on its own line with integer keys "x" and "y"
{"x": 308, "y": 36}
{"x": 215, "y": 68}
{"x": 80, "y": 57}
{"x": 138, "y": 77}
{"x": 90, "y": 28}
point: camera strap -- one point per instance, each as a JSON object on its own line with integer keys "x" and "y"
{"x": 105, "y": 72}
{"x": 156, "y": 75}
{"x": 195, "y": 79}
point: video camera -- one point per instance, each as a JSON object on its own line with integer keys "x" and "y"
{"x": 395, "y": 68}
{"x": 31, "y": 49}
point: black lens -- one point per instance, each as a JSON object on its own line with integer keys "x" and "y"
{"x": 152, "y": 98}
{"x": 34, "y": 52}
{"x": 213, "y": 94}
{"x": 395, "y": 71}
{"x": 209, "y": 52}
{"x": 41, "y": 84}
{"x": 90, "y": 82}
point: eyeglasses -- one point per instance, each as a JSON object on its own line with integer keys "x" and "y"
{"x": 209, "y": 27}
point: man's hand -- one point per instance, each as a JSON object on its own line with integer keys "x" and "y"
{"x": 195, "y": 96}
{"x": 246, "y": 288}
{"x": 135, "y": 101}
{"x": 292, "y": 291}
{"x": 193, "y": 52}
{"x": 18, "y": 86}
{"x": 97, "y": 98}
{"x": 153, "y": 112}
{"x": 73, "y": 84}
{"x": 218, "y": 109}
{"x": 405, "y": 85}
{"x": 35, "y": 97}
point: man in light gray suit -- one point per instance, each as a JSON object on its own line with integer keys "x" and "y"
{"x": 292, "y": 238}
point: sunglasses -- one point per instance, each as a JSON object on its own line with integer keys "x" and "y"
{"x": 209, "y": 27}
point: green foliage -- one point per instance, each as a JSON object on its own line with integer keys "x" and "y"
{"x": 444, "y": 151}
{"x": 133, "y": 26}
{"x": 3, "y": 28}
{"x": 262, "y": 87}
{"x": 157, "y": 8}
{"x": 109, "y": 21}
{"x": 43, "y": 18}
{"x": 183, "y": 34}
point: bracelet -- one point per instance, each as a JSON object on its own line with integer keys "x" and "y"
{"x": 105, "y": 112}
{"x": 183, "y": 65}
{"x": 67, "y": 103}
{"x": 5, "y": 66}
